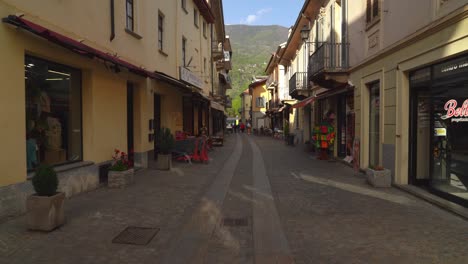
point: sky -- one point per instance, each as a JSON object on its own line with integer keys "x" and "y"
{"x": 262, "y": 12}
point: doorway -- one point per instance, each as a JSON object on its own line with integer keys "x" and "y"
{"x": 157, "y": 121}
{"x": 130, "y": 132}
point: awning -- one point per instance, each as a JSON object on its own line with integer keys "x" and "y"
{"x": 217, "y": 106}
{"x": 304, "y": 102}
{"x": 332, "y": 92}
{"x": 74, "y": 45}
{"x": 90, "y": 52}
{"x": 205, "y": 10}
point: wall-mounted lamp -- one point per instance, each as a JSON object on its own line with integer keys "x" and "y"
{"x": 305, "y": 33}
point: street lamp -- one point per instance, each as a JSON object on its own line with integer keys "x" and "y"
{"x": 305, "y": 33}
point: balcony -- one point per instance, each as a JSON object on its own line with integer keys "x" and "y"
{"x": 217, "y": 50}
{"x": 298, "y": 83}
{"x": 329, "y": 58}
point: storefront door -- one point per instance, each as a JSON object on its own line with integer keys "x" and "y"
{"x": 439, "y": 130}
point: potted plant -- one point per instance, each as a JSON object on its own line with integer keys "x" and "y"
{"x": 378, "y": 176}
{"x": 121, "y": 171}
{"x": 165, "y": 141}
{"x": 45, "y": 208}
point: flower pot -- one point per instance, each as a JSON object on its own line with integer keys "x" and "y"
{"x": 120, "y": 179}
{"x": 379, "y": 178}
{"x": 164, "y": 162}
{"x": 45, "y": 213}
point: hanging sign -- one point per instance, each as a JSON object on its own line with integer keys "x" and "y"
{"x": 457, "y": 114}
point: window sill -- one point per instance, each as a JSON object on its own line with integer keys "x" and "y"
{"x": 197, "y": 26}
{"x": 66, "y": 167}
{"x": 373, "y": 22}
{"x": 163, "y": 53}
{"x": 185, "y": 10}
{"x": 133, "y": 33}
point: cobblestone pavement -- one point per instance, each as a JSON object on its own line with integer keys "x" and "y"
{"x": 157, "y": 199}
{"x": 327, "y": 215}
{"x": 331, "y": 215}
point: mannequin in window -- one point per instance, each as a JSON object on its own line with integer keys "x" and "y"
{"x": 44, "y": 101}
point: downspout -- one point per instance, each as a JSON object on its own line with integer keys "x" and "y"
{"x": 211, "y": 62}
{"x": 211, "y": 75}
{"x": 344, "y": 33}
{"x": 112, "y": 36}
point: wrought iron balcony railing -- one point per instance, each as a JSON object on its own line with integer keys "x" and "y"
{"x": 298, "y": 82}
{"x": 329, "y": 57}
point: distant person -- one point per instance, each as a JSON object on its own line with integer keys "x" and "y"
{"x": 249, "y": 128}
{"x": 242, "y": 127}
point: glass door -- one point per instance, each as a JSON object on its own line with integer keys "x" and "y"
{"x": 374, "y": 124}
{"x": 421, "y": 136}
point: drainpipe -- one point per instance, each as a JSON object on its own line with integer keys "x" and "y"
{"x": 211, "y": 62}
{"x": 112, "y": 36}
{"x": 344, "y": 33}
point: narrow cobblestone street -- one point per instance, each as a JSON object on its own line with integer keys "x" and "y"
{"x": 296, "y": 208}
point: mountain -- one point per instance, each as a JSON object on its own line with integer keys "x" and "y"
{"x": 252, "y": 47}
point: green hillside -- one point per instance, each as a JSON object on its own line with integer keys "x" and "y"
{"x": 252, "y": 47}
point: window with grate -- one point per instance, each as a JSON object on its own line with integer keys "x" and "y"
{"x": 130, "y": 15}
{"x": 195, "y": 17}
{"x": 160, "y": 31}
{"x": 372, "y": 12}
{"x": 184, "y": 49}
{"x": 204, "y": 29}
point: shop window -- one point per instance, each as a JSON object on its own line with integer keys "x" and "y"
{"x": 53, "y": 113}
{"x": 374, "y": 124}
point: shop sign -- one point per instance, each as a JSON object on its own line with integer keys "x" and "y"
{"x": 227, "y": 56}
{"x": 452, "y": 67}
{"x": 190, "y": 77}
{"x": 458, "y": 114}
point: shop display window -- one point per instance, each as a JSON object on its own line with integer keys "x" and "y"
{"x": 53, "y": 113}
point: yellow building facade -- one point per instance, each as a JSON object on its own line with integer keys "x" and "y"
{"x": 402, "y": 95}
{"x": 260, "y": 97}
{"x": 83, "y": 79}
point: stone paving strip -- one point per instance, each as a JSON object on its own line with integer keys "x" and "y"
{"x": 232, "y": 241}
{"x": 191, "y": 245}
{"x": 270, "y": 243}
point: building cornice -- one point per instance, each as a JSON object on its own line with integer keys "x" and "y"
{"x": 434, "y": 27}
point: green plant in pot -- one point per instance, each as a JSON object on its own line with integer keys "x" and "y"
{"x": 165, "y": 141}
{"x": 45, "y": 208}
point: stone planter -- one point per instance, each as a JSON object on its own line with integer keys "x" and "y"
{"x": 164, "y": 162}
{"x": 120, "y": 179}
{"x": 379, "y": 178}
{"x": 45, "y": 213}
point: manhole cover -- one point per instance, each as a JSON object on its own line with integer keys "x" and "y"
{"x": 135, "y": 235}
{"x": 235, "y": 221}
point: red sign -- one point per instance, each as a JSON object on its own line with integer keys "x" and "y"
{"x": 452, "y": 111}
